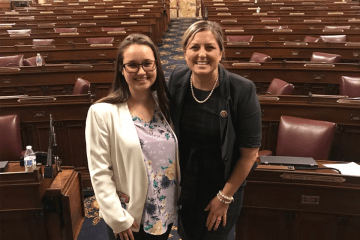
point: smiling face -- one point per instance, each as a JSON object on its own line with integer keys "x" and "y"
{"x": 203, "y": 55}
{"x": 140, "y": 81}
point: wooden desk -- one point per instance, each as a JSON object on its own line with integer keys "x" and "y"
{"x": 36, "y": 208}
{"x": 300, "y": 205}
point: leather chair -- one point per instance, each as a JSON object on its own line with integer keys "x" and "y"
{"x": 319, "y": 57}
{"x": 260, "y": 57}
{"x": 333, "y": 38}
{"x": 82, "y": 86}
{"x": 350, "y": 86}
{"x": 65, "y": 30}
{"x": 42, "y": 42}
{"x": 10, "y": 140}
{"x": 238, "y": 38}
{"x": 311, "y": 39}
{"x": 301, "y": 137}
{"x": 280, "y": 87}
{"x": 102, "y": 40}
{"x": 32, "y": 61}
{"x": 12, "y": 61}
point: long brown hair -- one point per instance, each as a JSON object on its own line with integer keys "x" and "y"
{"x": 119, "y": 90}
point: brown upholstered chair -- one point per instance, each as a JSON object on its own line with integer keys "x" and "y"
{"x": 350, "y": 86}
{"x": 112, "y": 29}
{"x": 10, "y": 140}
{"x": 301, "y": 137}
{"x": 319, "y": 57}
{"x": 311, "y": 39}
{"x": 65, "y": 30}
{"x": 239, "y": 38}
{"x": 82, "y": 86}
{"x": 32, "y": 61}
{"x": 101, "y": 40}
{"x": 42, "y": 42}
{"x": 280, "y": 87}
{"x": 333, "y": 38}
{"x": 260, "y": 57}
{"x": 12, "y": 61}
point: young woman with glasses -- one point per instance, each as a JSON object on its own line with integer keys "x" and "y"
{"x": 131, "y": 149}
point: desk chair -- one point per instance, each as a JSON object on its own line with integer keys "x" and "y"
{"x": 82, "y": 86}
{"x": 238, "y": 38}
{"x": 32, "y": 61}
{"x": 311, "y": 39}
{"x": 333, "y": 38}
{"x": 10, "y": 140}
{"x": 280, "y": 87}
{"x": 319, "y": 57}
{"x": 65, "y": 30}
{"x": 42, "y": 42}
{"x": 301, "y": 137}
{"x": 260, "y": 57}
{"x": 350, "y": 86}
{"x": 12, "y": 61}
{"x": 100, "y": 40}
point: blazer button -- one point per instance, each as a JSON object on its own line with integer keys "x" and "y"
{"x": 226, "y": 159}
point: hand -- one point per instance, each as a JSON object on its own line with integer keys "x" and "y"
{"x": 127, "y": 234}
{"x": 217, "y": 213}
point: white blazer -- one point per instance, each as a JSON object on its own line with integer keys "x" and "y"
{"x": 116, "y": 163}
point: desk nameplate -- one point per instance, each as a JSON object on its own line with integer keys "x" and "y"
{"x": 307, "y": 177}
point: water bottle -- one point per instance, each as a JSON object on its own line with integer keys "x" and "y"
{"x": 258, "y": 10}
{"x": 255, "y": 1}
{"x": 29, "y": 159}
{"x": 39, "y": 60}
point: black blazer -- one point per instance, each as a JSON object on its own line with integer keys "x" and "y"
{"x": 240, "y": 114}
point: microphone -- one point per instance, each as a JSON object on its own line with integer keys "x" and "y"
{"x": 48, "y": 172}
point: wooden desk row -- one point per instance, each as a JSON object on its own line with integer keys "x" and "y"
{"x": 37, "y": 208}
{"x": 299, "y": 51}
{"x": 306, "y": 77}
{"x": 53, "y": 79}
{"x": 69, "y": 113}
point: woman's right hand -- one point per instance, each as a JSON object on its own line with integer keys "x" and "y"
{"x": 127, "y": 234}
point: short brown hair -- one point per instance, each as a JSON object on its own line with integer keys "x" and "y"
{"x": 201, "y": 26}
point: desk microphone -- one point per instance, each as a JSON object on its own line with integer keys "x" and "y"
{"x": 48, "y": 172}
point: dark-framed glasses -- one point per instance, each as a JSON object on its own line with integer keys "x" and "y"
{"x": 134, "y": 67}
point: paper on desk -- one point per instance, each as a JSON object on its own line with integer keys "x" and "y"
{"x": 351, "y": 168}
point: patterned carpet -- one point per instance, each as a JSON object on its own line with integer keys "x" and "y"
{"x": 171, "y": 54}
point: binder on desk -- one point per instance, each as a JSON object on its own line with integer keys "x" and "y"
{"x": 297, "y": 162}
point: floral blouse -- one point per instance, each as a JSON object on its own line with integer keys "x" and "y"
{"x": 158, "y": 145}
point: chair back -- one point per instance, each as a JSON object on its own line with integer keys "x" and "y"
{"x": 319, "y": 57}
{"x": 12, "y": 61}
{"x": 10, "y": 140}
{"x": 333, "y": 38}
{"x": 239, "y": 38}
{"x": 300, "y": 137}
{"x": 82, "y": 86}
{"x": 280, "y": 87}
{"x": 350, "y": 86}
{"x": 311, "y": 39}
{"x": 260, "y": 57}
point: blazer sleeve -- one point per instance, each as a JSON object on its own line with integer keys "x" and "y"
{"x": 248, "y": 124}
{"x": 98, "y": 147}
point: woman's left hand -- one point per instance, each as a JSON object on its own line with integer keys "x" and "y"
{"x": 217, "y": 213}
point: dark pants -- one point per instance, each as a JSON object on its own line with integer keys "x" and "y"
{"x": 192, "y": 220}
{"x": 142, "y": 235}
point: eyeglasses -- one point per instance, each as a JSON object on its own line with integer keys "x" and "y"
{"x": 134, "y": 67}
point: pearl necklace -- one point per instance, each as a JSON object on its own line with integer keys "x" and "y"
{"x": 193, "y": 94}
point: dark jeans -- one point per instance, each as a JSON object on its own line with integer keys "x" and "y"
{"x": 142, "y": 235}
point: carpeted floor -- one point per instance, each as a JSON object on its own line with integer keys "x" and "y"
{"x": 94, "y": 228}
